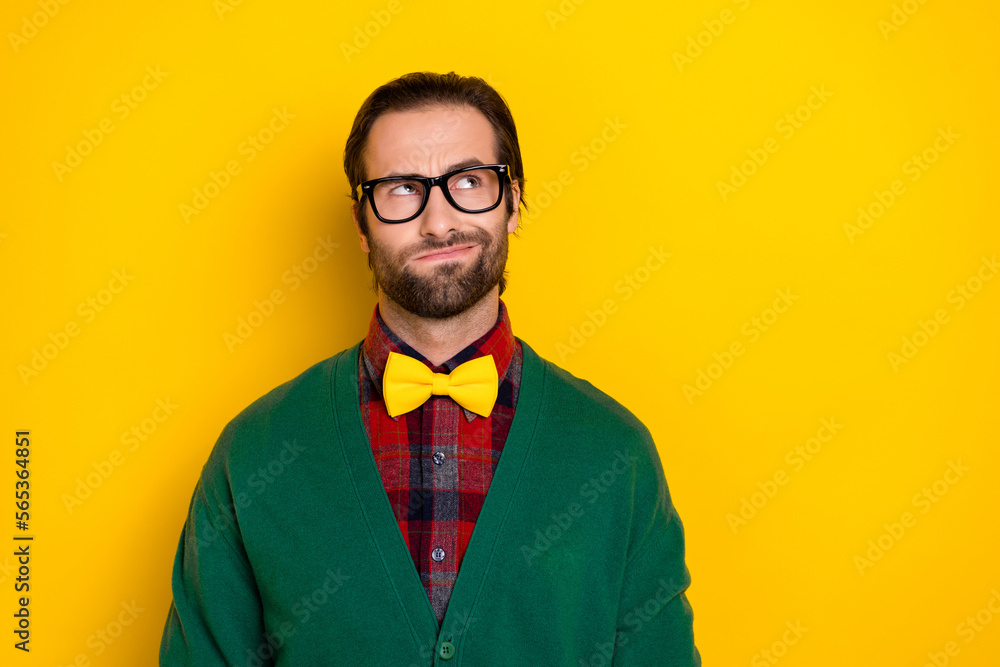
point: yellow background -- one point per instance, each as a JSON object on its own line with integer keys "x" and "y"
{"x": 566, "y": 73}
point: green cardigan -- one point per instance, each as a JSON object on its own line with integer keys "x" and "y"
{"x": 291, "y": 554}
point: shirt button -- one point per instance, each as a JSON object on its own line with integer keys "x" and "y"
{"x": 438, "y": 554}
{"x": 438, "y": 458}
{"x": 447, "y": 650}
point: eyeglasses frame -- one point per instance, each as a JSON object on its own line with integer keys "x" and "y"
{"x": 428, "y": 183}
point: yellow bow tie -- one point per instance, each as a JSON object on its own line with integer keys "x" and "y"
{"x": 407, "y": 383}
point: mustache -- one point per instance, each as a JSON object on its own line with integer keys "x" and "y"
{"x": 481, "y": 237}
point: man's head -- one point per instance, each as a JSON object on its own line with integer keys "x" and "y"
{"x": 425, "y": 124}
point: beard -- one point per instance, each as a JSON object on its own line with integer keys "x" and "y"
{"x": 451, "y": 287}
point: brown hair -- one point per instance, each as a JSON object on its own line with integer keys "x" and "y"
{"x": 419, "y": 91}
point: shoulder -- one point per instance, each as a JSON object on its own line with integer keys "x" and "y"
{"x": 299, "y": 405}
{"x": 596, "y": 427}
{"x": 577, "y": 409}
{"x": 566, "y": 396}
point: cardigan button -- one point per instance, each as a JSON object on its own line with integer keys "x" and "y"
{"x": 447, "y": 650}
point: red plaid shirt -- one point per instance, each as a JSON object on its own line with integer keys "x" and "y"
{"x": 437, "y": 461}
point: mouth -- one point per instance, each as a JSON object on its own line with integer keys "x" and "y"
{"x": 455, "y": 251}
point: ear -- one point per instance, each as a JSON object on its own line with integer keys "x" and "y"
{"x": 515, "y": 217}
{"x": 361, "y": 237}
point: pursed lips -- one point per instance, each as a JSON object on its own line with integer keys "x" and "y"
{"x": 444, "y": 253}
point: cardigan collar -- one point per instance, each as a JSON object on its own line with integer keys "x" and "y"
{"x": 483, "y": 549}
{"x": 381, "y": 340}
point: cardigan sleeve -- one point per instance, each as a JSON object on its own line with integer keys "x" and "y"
{"x": 655, "y": 621}
{"x": 216, "y": 617}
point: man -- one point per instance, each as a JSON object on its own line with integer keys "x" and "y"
{"x": 437, "y": 493}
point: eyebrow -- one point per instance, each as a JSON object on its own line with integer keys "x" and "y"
{"x": 468, "y": 162}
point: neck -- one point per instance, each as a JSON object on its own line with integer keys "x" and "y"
{"x": 438, "y": 340}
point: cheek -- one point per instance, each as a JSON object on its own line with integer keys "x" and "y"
{"x": 394, "y": 242}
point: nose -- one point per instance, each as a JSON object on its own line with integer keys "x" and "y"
{"x": 439, "y": 217}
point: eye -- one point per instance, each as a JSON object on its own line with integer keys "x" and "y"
{"x": 466, "y": 182}
{"x": 404, "y": 189}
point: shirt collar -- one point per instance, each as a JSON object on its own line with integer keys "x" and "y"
{"x": 381, "y": 340}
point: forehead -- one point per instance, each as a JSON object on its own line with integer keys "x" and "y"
{"x": 427, "y": 142}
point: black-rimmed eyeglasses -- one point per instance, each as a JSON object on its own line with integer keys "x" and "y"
{"x": 398, "y": 199}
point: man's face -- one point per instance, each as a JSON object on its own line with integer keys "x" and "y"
{"x": 444, "y": 261}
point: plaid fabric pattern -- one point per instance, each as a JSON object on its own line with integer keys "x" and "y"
{"x": 437, "y": 461}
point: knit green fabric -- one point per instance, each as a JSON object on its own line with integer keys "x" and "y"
{"x": 291, "y": 554}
